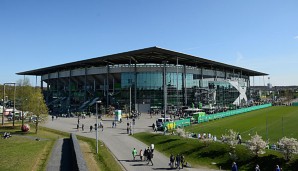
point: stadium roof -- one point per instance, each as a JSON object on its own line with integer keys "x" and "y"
{"x": 147, "y": 55}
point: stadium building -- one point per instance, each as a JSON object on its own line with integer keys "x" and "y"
{"x": 150, "y": 78}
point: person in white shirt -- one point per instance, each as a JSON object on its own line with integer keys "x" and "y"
{"x": 152, "y": 147}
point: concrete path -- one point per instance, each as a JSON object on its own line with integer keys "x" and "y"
{"x": 117, "y": 140}
{"x": 61, "y": 156}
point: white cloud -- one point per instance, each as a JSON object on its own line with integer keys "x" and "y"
{"x": 296, "y": 37}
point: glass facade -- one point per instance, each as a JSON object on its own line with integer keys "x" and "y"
{"x": 143, "y": 85}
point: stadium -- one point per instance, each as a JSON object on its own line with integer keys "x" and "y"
{"x": 146, "y": 79}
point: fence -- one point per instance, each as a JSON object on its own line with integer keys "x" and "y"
{"x": 211, "y": 117}
{"x": 205, "y": 118}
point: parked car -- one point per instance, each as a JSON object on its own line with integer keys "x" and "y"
{"x": 33, "y": 118}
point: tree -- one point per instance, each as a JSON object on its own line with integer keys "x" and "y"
{"x": 31, "y": 100}
{"x": 289, "y": 146}
{"x": 231, "y": 139}
{"x": 257, "y": 145}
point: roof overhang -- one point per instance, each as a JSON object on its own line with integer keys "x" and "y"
{"x": 147, "y": 55}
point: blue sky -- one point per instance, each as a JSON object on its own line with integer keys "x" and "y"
{"x": 258, "y": 35}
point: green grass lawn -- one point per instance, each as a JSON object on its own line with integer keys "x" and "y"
{"x": 203, "y": 154}
{"x": 23, "y": 152}
{"x": 281, "y": 121}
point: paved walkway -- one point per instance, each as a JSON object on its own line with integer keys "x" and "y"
{"x": 117, "y": 140}
{"x": 61, "y": 156}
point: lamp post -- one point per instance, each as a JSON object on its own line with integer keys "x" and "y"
{"x": 23, "y": 112}
{"x": 96, "y": 129}
{"x": 14, "y": 99}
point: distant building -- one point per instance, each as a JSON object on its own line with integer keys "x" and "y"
{"x": 143, "y": 79}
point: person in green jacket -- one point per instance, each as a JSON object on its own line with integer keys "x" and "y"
{"x": 134, "y": 153}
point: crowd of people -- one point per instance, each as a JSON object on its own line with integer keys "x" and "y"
{"x": 146, "y": 155}
{"x": 257, "y": 168}
{"x": 177, "y": 161}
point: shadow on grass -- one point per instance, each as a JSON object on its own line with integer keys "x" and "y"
{"x": 168, "y": 141}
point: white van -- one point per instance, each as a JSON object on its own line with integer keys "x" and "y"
{"x": 160, "y": 121}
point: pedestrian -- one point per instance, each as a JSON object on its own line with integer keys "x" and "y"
{"x": 141, "y": 154}
{"x": 134, "y": 153}
{"x": 113, "y": 124}
{"x": 178, "y": 160}
{"x": 145, "y": 154}
{"x": 78, "y": 126}
{"x": 172, "y": 160}
{"x": 101, "y": 127}
{"x": 257, "y": 168}
{"x": 182, "y": 161}
{"x": 82, "y": 127}
{"x": 277, "y": 168}
{"x": 239, "y": 139}
{"x": 149, "y": 157}
{"x": 52, "y": 117}
{"x": 130, "y": 130}
{"x": 152, "y": 148}
{"x": 153, "y": 126}
{"x": 91, "y": 128}
{"x": 234, "y": 167}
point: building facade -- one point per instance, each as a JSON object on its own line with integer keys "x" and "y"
{"x": 142, "y": 80}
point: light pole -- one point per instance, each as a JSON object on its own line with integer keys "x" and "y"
{"x": 14, "y": 99}
{"x": 96, "y": 129}
{"x": 165, "y": 91}
{"x": 267, "y": 127}
{"x": 23, "y": 112}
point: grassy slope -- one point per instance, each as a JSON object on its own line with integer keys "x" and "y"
{"x": 252, "y": 122}
{"x": 199, "y": 153}
{"x": 104, "y": 159}
{"x": 203, "y": 154}
{"x": 20, "y": 152}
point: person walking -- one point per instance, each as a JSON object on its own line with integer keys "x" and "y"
{"x": 239, "y": 139}
{"x": 182, "y": 161}
{"x": 91, "y": 127}
{"x": 141, "y": 154}
{"x": 172, "y": 161}
{"x": 145, "y": 154}
{"x": 134, "y": 153}
{"x": 234, "y": 167}
{"x": 277, "y": 168}
{"x": 82, "y": 127}
{"x": 178, "y": 160}
{"x": 257, "y": 168}
{"x": 150, "y": 157}
{"x": 152, "y": 148}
